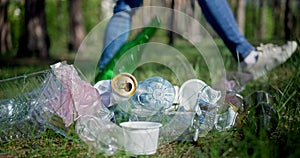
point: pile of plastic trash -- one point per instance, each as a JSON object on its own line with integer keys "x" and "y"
{"x": 98, "y": 110}
{"x": 61, "y": 98}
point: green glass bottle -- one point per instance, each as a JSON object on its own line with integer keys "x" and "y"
{"x": 143, "y": 37}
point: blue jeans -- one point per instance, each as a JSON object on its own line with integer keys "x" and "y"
{"x": 217, "y": 13}
{"x": 220, "y": 17}
{"x": 116, "y": 32}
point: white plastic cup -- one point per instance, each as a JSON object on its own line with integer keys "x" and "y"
{"x": 140, "y": 138}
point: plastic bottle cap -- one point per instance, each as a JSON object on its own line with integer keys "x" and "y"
{"x": 124, "y": 84}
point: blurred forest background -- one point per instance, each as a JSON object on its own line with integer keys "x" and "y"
{"x": 54, "y": 29}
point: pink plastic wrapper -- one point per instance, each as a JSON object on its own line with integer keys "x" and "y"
{"x": 230, "y": 85}
{"x": 80, "y": 98}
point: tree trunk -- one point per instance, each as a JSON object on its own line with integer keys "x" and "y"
{"x": 298, "y": 21}
{"x": 76, "y": 27}
{"x": 262, "y": 19}
{"x": 278, "y": 17}
{"x": 170, "y": 33}
{"x": 241, "y": 15}
{"x": 287, "y": 20}
{"x": 6, "y": 43}
{"x": 35, "y": 41}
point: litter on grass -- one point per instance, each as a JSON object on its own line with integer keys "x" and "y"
{"x": 58, "y": 97}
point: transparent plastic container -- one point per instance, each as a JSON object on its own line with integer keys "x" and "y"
{"x": 25, "y": 106}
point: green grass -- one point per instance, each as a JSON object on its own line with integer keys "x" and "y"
{"x": 282, "y": 84}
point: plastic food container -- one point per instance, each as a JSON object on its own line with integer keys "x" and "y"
{"x": 141, "y": 138}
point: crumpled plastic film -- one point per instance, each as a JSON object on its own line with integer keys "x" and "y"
{"x": 83, "y": 98}
{"x": 84, "y": 105}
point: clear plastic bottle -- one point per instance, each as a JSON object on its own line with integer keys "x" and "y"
{"x": 24, "y": 110}
{"x": 154, "y": 93}
{"x": 196, "y": 95}
{"x": 15, "y": 119}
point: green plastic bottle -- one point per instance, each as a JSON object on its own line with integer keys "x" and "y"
{"x": 143, "y": 37}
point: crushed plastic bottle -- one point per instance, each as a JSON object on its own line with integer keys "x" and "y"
{"x": 101, "y": 134}
{"x": 232, "y": 107}
{"x": 227, "y": 119}
{"x": 154, "y": 93}
{"x": 23, "y": 114}
{"x": 151, "y": 99}
{"x": 196, "y": 95}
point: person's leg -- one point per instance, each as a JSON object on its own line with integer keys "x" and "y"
{"x": 117, "y": 30}
{"x": 258, "y": 61}
{"x": 220, "y": 16}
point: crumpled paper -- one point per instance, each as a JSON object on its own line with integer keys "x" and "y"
{"x": 80, "y": 97}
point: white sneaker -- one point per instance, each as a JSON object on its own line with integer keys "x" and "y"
{"x": 270, "y": 56}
